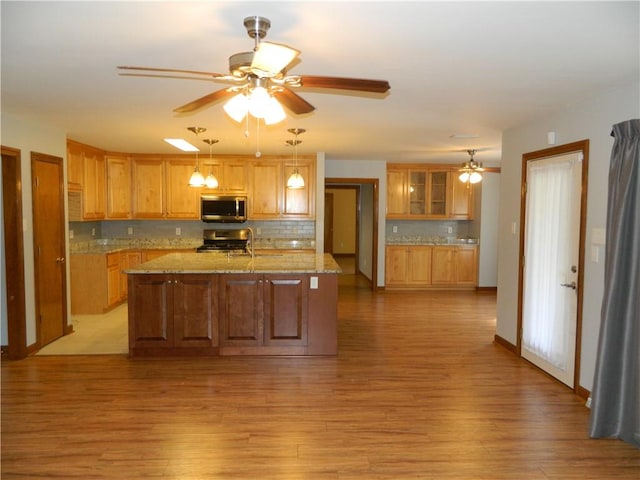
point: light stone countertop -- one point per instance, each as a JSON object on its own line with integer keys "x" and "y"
{"x": 216, "y": 262}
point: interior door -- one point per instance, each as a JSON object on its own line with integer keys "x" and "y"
{"x": 49, "y": 247}
{"x": 551, "y": 270}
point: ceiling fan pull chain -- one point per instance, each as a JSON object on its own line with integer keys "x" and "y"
{"x": 258, "y": 152}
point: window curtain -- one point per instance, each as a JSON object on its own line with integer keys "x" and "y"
{"x": 615, "y": 401}
{"x": 544, "y": 332}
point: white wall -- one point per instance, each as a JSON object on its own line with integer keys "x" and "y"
{"x": 591, "y": 120}
{"x": 29, "y": 136}
{"x": 489, "y": 206}
{"x": 370, "y": 169}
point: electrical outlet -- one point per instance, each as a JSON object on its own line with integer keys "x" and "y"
{"x": 93, "y": 232}
{"x": 178, "y": 231}
{"x": 449, "y": 229}
{"x": 313, "y": 283}
{"x": 395, "y": 229}
{"x": 70, "y": 233}
{"x": 258, "y": 231}
{"x": 130, "y": 230}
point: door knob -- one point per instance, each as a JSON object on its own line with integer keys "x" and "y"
{"x": 569, "y": 285}
{"x": 60, "y": 259}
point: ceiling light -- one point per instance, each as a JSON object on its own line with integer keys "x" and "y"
{"x": 256, "y": 100}
{"x": 470, "y": 171}
{"x": 182, "y": 144}
{"x": 211, "y": 181}
{"x": 295, "y": 180}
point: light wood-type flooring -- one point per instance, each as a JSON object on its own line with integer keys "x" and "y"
{"x": 418, "y": 391}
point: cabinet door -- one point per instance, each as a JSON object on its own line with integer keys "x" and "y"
{"x": 181, "y": 199}
{"x": 150, "y": 311}
{"x": 114, "y": 292}
{"x": 396, "y": 260}
{"x": 75, "y": 166}
{"x": 266, "y": 187}
{"x": 417, "y": 192}
{"x": 195, "y": 311}
{"x": 397, "y": 193}
{"x": 234, "y": 176}
{"x": 241, "y": 307}
{"x": 438, "y": 193}
{"x": 94, "y": 188}
{"x": 148, "y": 188}
{"x": 128, "y": 260}
{"x": 285, "y": 300}
{"x": 461, "y": 198}
{"x": 299, "y": 202}
{"x": 118, "y": 187}
{"x": 419, "y": 265}
{"x": 442, "y": 265}
{"x": 466, "y": 266}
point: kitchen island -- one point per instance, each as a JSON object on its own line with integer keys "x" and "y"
{"x": 223, "y": 304}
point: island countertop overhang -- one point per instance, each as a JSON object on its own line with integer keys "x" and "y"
{"x": 217, "y": 262}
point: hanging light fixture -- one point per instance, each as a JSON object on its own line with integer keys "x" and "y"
{"x": 295, "y": 180}
{"x": 211, "y": 181}
{"x": 470, "y": 171}
{"x": 257, "y": 101}
{"x": 197, "y": 179}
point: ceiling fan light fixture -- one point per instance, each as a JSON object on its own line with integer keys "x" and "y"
{"x": 275, "y": 112}
{"x": 464, "y": 177}
{"x": 475, "y": 177}
{"x": 237, "y": 107}
{"x": 259, "y": 99}
{"x": 471, "y": 170}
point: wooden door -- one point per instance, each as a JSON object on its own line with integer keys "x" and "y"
{"x": 241, "y": 311}
{"x": 442, "y": 265}
{"x": 234, "y": 176}
{"x": 419, "y": 265}
{"x": 14, "y": 253}
{"x": 466, "y": 266}
{"x": 396, "y": 260}
{"x": 75, "y": 166}
{"x": 118, "y": 187}
{"x": 47, "y": 173}
{"x": 114, "y": 292}
{"x": 300, "y": 202}
{"x": 461, "y": 206}
{"x": 94, "y": 188}
{"x": 328, "y": 222}
{"x": 195, "y": 311}
{"x": 439, "y": 195}
{"x": 128, "y": 260}
{"x": 286, "y": 309}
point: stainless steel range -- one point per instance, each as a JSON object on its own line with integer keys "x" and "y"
{"x": 237, "y": 241}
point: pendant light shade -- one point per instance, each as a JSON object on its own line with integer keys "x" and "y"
{"x": 211, "y": 181}
{"x": 197, "y": 179}
{"x": 295, "y": 180}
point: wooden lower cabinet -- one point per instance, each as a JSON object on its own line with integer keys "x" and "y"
{"x": 232, "y": 314}
{"x": 172, "y": 311}
{"x": 96, "y": 283}
{"x": 425, "y": 266}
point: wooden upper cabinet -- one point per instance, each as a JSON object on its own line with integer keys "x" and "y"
{"x": 269, "y": 197}
{"x": 148, "y": 190}
{"x": 75, "y": 166}
{"x": 421, "y": 191}
{"x": 94, "y": 186}
{"x": 181, "y": 199}
{"x": 231, "y": 173}
{"x": 266, "y": 189}
{"x": 397, "y": 191}
{"x": 118, "y": 186}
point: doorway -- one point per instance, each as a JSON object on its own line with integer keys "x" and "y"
{"x": 16, "y": 334}
{"x": 366, "y": 223}
{"x": 553, "y": 209}
{"x": 49, "y": 247}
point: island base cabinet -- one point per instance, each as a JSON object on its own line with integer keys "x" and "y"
{"x": 233, "y": 314}
{"x": 172, "y": 314}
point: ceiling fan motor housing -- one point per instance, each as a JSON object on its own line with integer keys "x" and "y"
{"x": 257, "y": 27}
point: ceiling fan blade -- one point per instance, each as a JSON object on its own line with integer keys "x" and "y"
{"x": 206, "y": 100}
{"x": 173, "y": 70}
{"x": 357, "y": 84}
{"x": 271, "y": 58}
{"x": 293, "y": 101}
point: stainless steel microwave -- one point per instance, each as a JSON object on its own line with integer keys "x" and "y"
{"x": 224, "y": 209}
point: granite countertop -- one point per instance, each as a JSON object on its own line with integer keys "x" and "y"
{"x": 217, "y": 262}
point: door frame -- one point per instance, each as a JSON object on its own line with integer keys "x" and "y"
{"x": 14, "y": 253}
{"x": 356, "y": 183}
{"x": 66, "y": 328}
{"x": 579, "y": 146}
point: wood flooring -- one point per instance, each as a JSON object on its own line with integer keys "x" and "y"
{"x": 418, "y": 391}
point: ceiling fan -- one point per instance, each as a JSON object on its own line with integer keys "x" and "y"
{"x": 262, "y": 71}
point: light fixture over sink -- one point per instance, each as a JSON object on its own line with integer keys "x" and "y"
{"x": 197, "y": 179}
{"x": 295, "y": 180}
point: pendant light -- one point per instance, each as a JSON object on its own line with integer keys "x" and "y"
{"x": 211, "y": 181}
{"x": 295, "y": 180}
{"x": 470, "y": 171}
{"x": 197, "y": 179}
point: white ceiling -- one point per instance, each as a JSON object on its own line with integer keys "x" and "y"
{"x": 454, "y": 68}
